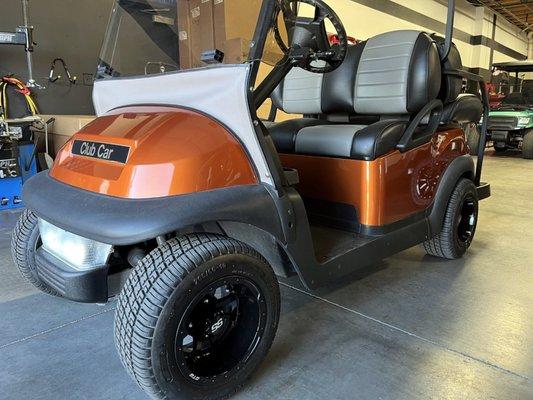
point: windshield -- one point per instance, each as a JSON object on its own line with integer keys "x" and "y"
{"x": 516, "y": 99}
{"x": 147, "y": 37}
{"x": 512, "y": 90}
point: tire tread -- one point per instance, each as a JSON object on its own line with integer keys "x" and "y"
{"x": 442, "y": 245}
{"x": 527, "y": 145}
{"x": 22, "y": 233}
{"x": 150, "y": 286}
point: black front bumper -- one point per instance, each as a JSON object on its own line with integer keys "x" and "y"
{"x": 82, "y": 286}
{"x": 120, "y": 221}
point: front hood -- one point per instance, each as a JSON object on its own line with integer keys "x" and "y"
{"x": 511, "y": 113}
{"x": 219, "y": 91}
{"x": 152, "y": 151}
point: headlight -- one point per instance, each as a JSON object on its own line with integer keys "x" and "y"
{"x": 78, "y": 252}
{"x": 523, "y": 121}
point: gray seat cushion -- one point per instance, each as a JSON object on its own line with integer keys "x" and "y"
{"x": 284, "y": 133}
{"x": 358, "y": 142}
{"x": 398, "y": 73}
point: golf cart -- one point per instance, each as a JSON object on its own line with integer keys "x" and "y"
{"x": 510, "y": 124}
{"x": 181, "y": 187}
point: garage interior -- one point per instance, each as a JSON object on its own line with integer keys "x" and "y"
{"x": 412, "y": 326}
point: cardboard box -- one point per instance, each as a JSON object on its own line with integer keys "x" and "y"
{"x": 207, "y": 33}
{"x": 229, "y": 17}
{"x": 219, "y": 21}
{"x": 196, "y": 31}
{"x": 235, "y": 50}
{"x": 206, "y": 25}
{"x": 62, "y": 129}
{"x": 184, "y": 36}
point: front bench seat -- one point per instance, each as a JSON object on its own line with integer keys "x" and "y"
{"x": 284, "y": 133}
{"x": 358, "y": 142}
{"x": 397, "y": 75}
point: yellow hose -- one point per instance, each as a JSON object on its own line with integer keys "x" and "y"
{"x": 32, "y": 107}
{"x": 3, "y": 101}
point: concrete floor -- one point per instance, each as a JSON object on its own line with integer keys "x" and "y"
{"x": 413, "y": 327}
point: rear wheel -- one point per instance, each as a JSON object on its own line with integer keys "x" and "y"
{"x": 500, "y": 147}
{"x": 196, "y": 317}
{"x": 24, "y": 242}
{"x": 472, "y": 137}
{"x": 527, "y": 145}
{"x": 460, "y": 223}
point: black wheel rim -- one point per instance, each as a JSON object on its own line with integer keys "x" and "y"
{"x": 220, "y": 330}
{"x": 467, "y": 220}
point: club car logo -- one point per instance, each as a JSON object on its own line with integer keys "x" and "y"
{"x": 102, "y": 151}
{"x": 89, "y": 149}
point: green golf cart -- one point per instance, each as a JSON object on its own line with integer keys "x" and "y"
{"x": 510, "y": 123}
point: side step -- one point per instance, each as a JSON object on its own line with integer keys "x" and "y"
{"x": 330, "y": 242}
{"x": 483, "y": 191}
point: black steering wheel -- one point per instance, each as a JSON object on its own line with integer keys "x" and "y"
{"x": 313, "y": 48}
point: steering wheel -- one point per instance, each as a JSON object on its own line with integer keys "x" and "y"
{"x": 305, "y": 55}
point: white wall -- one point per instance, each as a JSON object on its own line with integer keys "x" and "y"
{"x": 363, "y": 22}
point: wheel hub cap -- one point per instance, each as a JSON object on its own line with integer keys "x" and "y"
{"x": 220, "y": 329}
{"x": 467, "y": 220}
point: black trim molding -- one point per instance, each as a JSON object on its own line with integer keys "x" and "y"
{"x": 119, "y": 221}
{"x": 402, "y": 12}
{"x": 494, "y": 45}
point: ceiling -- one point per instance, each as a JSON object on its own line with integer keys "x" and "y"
{"x": 518, "y": 12}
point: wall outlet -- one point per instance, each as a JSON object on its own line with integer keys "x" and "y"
{"x": 88, "y": 79}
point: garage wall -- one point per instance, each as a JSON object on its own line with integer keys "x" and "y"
{"x": 71, "y": 29}
{"x": 479, "y": 36}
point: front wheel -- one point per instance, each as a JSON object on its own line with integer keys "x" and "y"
{"x": 24, "y": 243}
{"x": 196, "y": 317}
{"x": 500, "y": 147}
{"x": 459, "y": 225}
{"x": 527, "y": 145}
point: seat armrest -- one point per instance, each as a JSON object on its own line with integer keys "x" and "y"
{"x": 409, "y": 140}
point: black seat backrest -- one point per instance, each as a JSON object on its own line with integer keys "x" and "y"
{"x": 395, "y": 73}
{"x": 451, "y": 85}
{"x": 399, "y": 73}
{"x": 516, "y": 98}
{"x": 303, "y": 92}
{"x": 458, "y": 107}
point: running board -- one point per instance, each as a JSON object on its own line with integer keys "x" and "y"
{"x": 330, "y": 243}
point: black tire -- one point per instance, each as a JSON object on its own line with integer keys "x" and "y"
{"x": 500, "y": 149}
{"x": 527, "y": 145}
{"x": 24, "y": 242}
{"x": 472, "y": 138}
{"x": 166, "y": 288}
{"x": 460, "y": 223}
